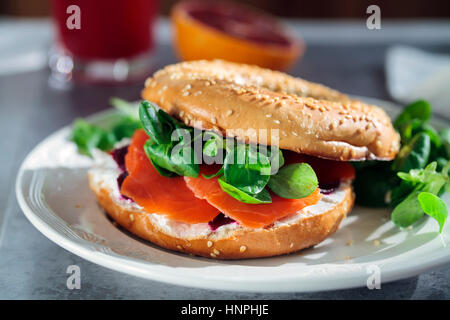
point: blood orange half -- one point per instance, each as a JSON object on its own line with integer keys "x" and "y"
{"x": 219, "y": 30}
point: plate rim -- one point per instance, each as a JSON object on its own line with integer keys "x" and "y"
{"x": 147, "y": 270}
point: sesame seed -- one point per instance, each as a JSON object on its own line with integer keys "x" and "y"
{"x": 216, "y": 252}
{"x": 181, "y": 113}
{"x": 295, "y": 133}
{"x": 229, "y": 113}
{"x": 242, "y": 248}
{"x": 291, "y": 245}
{"x": 268, "y": 115}
{"x": 276, "y": 121}
{"x": 212, "y": 255}
{"x": 213, "y": 120}
{"x": 131, "y": 217}
{"x": 376, "y": 243}
{"x": 179, "y": 247}
{"x": 185, "y": 93}
{"x": 209, "y": 244}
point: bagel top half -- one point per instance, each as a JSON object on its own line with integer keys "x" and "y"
{"x": 311, "y": 119}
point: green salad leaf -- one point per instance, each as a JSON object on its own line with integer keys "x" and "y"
{"x": 408, "y": 211}
{"x": 158, "y": 127}
{"x": 261, "y": 197}
{"x": 418, "y": 110}
{"x": 414, "y": 155}
{"x": 213, "y": 145}
{"x": 433, "y": 206}
{"x": 276, "y": 159}
{"x": 180, "y": 162}
{"x": 88, "y": 136}
{"x": 125, "y": 128}
{"x": 168, "y": 148}
{"x": 294, "y": 181}
{"x": 246, "y": 169}
{"x": 427, "y": 180}
{"x": 421, "y": 167}
{"x": 372, "y": 184}
{"x": 445, "y": 138}
{"x": 217, "y": 174}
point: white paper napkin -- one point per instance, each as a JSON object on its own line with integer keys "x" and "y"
{"x": 23, "y": 45}
{"x": 415, "y": 74}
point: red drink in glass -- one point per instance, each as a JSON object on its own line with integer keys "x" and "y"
{"x": 103, "y": 40}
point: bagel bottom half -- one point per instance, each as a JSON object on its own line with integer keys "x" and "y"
{"x": 232, "y": 241}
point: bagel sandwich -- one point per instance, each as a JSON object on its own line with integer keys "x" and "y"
{"x": 234, "y": 161}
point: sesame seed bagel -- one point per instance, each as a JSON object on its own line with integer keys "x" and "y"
{"x": 308, "y": 227}
{"x": 238, "y": 100}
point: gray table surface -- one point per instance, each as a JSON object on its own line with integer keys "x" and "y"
{"x": 33, "y": 267}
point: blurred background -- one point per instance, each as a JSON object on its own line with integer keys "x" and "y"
{"x": 122, "y": 42}
{"x": 404, "y": 59}
{"x": 331, "y": 9}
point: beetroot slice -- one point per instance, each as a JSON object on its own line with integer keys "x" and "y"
{"x": 219, "y": 220}
{"x": 119, "y": 156}
{"x": 329, "y": 188}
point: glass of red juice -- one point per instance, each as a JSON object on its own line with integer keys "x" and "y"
{"x": 102, "y": 41}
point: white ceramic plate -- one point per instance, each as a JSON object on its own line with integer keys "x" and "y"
{"x": 52, "y": 190}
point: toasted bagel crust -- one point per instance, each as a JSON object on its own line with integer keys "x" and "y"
{"x": 240, "y": 244}
{"x": 311, "y": 118}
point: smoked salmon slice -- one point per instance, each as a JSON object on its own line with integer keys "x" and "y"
{"x": 250, "y": 215}
{"x": 161, "y": 195}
